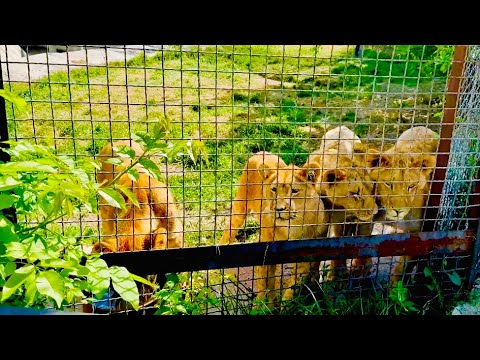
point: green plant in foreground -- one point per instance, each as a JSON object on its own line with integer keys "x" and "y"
{"x": 183, "y": 294}
{"x": 401, "y": 303}
{"x": 39, "y": 264}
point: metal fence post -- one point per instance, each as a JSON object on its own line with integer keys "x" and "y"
{"x": 4, "y": 157}
{"x": 446, "y": 131}
{"x": 3, "y": 121}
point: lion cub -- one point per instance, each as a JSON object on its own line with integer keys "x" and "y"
{"x": 348, "y": 190}
{"x": 286, "y": 205}
{"x": 344, "y": 178}
{"x": 403, "y": 174}
{"x": 155, "y": 224}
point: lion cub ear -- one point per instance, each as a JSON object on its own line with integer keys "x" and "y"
{"x": 334, "y": 175}
{"x": 266, "y": 171}
{"x": 311, "y": 171}
{"x": 376, "y": 159}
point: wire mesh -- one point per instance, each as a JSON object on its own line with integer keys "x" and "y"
{"x": 464, "y": 158}
{"x": 240, "y": 100}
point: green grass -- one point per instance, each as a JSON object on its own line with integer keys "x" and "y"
{"x": 237, "y": 99}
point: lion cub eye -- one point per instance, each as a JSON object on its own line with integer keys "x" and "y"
{"x": 388, "y": 185}
{"x": 294, "y": 191}
{"x": 274, "y": 189}
{"x": 355, "y": 195}
{"x": 411, "y": 187}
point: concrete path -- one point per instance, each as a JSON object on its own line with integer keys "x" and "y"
{"x": 16, "y": 67}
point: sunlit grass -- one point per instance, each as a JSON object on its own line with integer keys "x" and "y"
{"x": 237, "y": 99}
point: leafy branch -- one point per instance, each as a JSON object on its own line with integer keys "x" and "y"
{"x": 39, "y": 265}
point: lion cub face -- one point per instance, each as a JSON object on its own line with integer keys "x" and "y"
{"x": 288, "y": 194}
{"x": 346, "y": 183}
{"x": 402, "y": 182}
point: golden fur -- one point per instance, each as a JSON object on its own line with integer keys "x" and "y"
{"x": 286, "y": 205}
{"x": 155, "y": 224}
{"x": 403, "y": 176}
{"x": 345, "y": 182}
{"x": 343, "y": 177}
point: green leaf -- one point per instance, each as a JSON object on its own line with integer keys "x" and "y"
{"x": 165, "y": 124}
{"x": 16, "y": 250}
{"x": 81, "y": 176}
{"x": 74, "y": 294}
{"x": 112, "y": 197}
{"x": 151, "y": 168}
{"x": 58, "y": 263}
{"x": 455, "y": 278}
{"x": 91, "y": 204}
{"x": 50, "y": 283}
{"x": 99, "y": 277}
{"x": 113, "y": 161}
{"x": 158, "y": 132}
{"x": 31, "y": 289}
{"x": 174, "y": 148}
{"x": 74, "y": 190}
{"x": 8, "y": 182}
{"x": 124, "y": 285}
{"x": 16, "y": 280}
{"x": 181, "y": 309}
{"x": 27, "y": 166}
{"x": 161, "y": 129}
{"x": 10, "y": 268}
{"x": 96, "y": 164}
{"x": 173, "y": 277}
{"x": 159, "y": 149}
{"x": 129, "y": 194}
{"x": 133, "y": 174}
{"x": 7, "y": 231}
{"x": 68, "y": 207}
{"x": 16, "y": 100}
{"x": 124, "y": 151}
{"x": 143, "y": 280}
{"x": 36, "y": 251}
{"x": 81, "y": 270}
{"x": 143, "y": 139}
{"x": 427, "y": 271}
{"x": 199, "y": 148}
{"x": 6, "y": 201}
{"x": 57, "y": 202}
{"x": 17, "y": 147}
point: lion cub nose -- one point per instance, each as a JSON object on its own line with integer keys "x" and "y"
{"x": 281, "y": 208}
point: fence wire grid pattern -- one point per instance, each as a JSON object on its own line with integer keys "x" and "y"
{"x": 239, "y": 100}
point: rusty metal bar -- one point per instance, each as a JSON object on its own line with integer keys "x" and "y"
{"x": 240, "y": 255}
{"x": 446, "y": 131}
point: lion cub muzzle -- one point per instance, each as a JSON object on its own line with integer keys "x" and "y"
{"x": 397, "y": 214}
{"x": 284, "y": 211}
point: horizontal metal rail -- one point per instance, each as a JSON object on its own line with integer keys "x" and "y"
{"x": 278, "y": 252}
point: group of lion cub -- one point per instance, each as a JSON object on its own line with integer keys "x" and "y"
{"x": 344, "y": 188}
